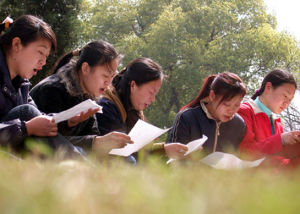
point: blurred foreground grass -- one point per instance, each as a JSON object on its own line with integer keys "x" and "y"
{"x": 32, "y": 186}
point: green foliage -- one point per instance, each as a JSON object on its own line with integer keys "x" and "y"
{"x": 191, "y": 39}
{"x": 60, "y": 15}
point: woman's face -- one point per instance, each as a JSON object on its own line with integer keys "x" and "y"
{"x": 29, "y": 59}
{"x": 279, "y": 98}
{"x": 225, "y": 110}
{"x": 142, "y": 96}
{"x": 96, "y": 79}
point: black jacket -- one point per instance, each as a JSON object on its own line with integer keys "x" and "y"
{"x": 13, "y": 93}
{"x": 190, "y": 124}
{"x": 60, "y": 92}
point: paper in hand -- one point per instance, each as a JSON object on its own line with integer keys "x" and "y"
{"x": 220, "y": 160}
{"x": 192, "y": 146}
{"x": 81, "y": 107}
{"x": 195, "y": 145}
{"x": 141, "y": 134}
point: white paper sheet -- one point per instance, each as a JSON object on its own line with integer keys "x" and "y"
{"x": 141, "y": 134}
{"x": 220, "y": 160}
{"x": 192, "y": 146}
{"x": 71, "y": 112}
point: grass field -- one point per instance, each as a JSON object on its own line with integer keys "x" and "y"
{"x": 32, "y": 186}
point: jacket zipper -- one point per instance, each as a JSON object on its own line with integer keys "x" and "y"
{"x": 216, "y": 136}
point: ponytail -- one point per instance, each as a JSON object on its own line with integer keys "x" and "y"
{"x": 141, "y": 70}
{"x": 94, "y": 53}
{"x": 257, "y": 93}
{"x": 65, "y": 59}
{"x": 204, "y": 92}
{"x": 117, "y": 79}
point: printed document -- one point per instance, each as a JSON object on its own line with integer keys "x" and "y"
{"x": 141, "y": 134}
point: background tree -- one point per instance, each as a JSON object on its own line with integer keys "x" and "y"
{"x": 191, "y": 39}
{"x": 188, "y": 38}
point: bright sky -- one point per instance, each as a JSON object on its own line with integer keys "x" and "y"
{"x": 287, "y": 13}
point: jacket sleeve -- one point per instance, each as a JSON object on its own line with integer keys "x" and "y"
{"x": 111, "y": 119}
{"x": 86, "y": 141}
{"x": 180, "y": 131}
{"x": 251, "y": 146}
{"x": 86, "y": 135}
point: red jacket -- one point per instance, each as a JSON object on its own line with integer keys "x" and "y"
{"x": 259, "y": 141}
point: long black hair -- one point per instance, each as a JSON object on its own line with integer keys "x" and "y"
{"x": 141, "y": 70}
{"x": 29, "y": 29}
{"x": 94, "y": 53}
{"x": 277, "y": 77}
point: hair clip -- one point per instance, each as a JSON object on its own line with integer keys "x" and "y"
{"x": 7, "y": 21}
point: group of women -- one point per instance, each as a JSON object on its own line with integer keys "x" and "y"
{"x": 91, "y": 73}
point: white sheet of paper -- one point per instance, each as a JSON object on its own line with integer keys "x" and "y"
{"x": 220, "y": 160}
{"x": 71, "y": 112}
{"x": 195, "y": 145}
{"x": 192, "y": 146}
{"x": 141, "y": 134}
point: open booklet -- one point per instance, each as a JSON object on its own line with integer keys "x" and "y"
{"x": 81, "y": 107}
{"x": 141, "y": 134}
{"x": 192, "y": 146}
{"x": 220, "y": 160}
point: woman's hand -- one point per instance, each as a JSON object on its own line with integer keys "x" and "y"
{"x": 114, "y": 140}
{"x": 175, "y": 150}
{"x": 81, "y": 117}
{"x": 290, "y": 138}
{"x": 41, "y": 126}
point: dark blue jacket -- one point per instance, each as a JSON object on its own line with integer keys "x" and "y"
{"x": 111, "y": 119}
{"x": 190, "y": 124}
{"x": 13, "y": 93}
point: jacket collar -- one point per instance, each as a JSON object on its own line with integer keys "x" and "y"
{"x": 262, "y": 107}
{"x": 202, "y": 104}
{"x": 70, "y": 78}
{"x": 6, "y": 82}
{"x": 257, "y": 110}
